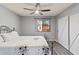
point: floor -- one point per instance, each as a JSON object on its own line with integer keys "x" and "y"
{"x": 58, "y": 49}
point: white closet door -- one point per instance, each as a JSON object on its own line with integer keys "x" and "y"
{"x": 63, "y": 31}
{"x": 74, "y": 30}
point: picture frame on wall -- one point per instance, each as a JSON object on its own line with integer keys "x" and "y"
{"x": 43, "y": 25}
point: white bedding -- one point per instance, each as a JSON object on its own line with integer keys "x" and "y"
{"x": 25, "y": 41}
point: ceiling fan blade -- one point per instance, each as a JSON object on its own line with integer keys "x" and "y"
{"x": 45, "y": 10}
{"x": 32, "y": 13}
{"x": 28, "y": 9}
{"x": 40, "y": 13}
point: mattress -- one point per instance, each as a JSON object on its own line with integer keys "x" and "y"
{"x": 25, "y": 41}
{"x": 25, "y": 45}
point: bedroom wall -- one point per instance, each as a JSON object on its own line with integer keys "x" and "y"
{"x": 28, "y": 27}
{"x": 74, "y": 22}
{"x": 9, "y": 18}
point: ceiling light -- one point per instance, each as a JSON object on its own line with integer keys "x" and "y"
{"x": 37, "y": 12}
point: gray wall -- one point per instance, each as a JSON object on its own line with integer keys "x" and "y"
{"x": 9, "y": 18}
{"x": 28, "y": 27}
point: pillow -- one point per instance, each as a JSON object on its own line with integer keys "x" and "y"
{"x": 14, "y": 33}
{"x": 1, "y": 39}
{"x": 10, "y": 36}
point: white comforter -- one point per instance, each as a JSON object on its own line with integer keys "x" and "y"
{"x": 25, "y": 41}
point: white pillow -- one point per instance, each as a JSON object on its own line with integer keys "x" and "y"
{"x": 1, "y": 39}
{"x": 10, "y": 36}
{"x": 14, "y": 33}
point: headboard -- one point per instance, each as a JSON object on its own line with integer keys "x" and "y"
{"x": 5, "y": 29}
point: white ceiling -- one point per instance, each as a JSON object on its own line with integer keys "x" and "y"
{"x": 55, "y": 8}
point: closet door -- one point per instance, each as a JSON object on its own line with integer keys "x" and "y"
{"x": 63, "y": 31}
{"x": 74, "y": 33}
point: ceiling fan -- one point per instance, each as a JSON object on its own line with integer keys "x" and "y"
{"x": 37, "y": 9}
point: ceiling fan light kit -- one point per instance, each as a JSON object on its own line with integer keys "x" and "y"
{"x": 37, "y": 12}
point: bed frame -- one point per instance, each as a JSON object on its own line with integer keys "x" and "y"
{"x": 6, "y": 29}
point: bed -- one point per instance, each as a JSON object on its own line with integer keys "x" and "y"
{"x": 13, "y": 44}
